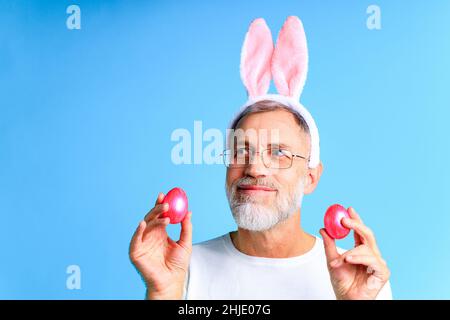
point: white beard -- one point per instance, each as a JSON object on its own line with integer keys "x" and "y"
{"x": 254, "y": 216}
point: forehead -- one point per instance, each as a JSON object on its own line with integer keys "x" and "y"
{"x": 276, "y": 126}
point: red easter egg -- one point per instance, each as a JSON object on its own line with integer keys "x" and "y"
{"x": 178, "y": 205}
{"x": 332, "y": 221}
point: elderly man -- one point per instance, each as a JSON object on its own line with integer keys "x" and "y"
{"x": 270, "y": 256}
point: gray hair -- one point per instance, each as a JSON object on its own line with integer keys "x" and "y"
{"x": 269, "y": 105}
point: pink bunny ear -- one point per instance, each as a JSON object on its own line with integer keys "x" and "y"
{"x": 256, "y": 58}
{"x": 290, "y": 59}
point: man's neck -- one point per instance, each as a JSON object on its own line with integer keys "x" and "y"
{"x": 285, "y": 240}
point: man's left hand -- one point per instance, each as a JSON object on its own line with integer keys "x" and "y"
{"x": 359, "y": 273}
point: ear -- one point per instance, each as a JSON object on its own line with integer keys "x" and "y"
{"x": 290, "y": 59}
{"x": 313, "y": 178}
{"x": 256, "y": 56}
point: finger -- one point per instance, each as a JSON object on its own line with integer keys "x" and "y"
{"x": 366, "y": 260}
{"x": 363, "y": 231}
{"x": 137, "y": 236}
{"x": 357, "y": 239}
{"x": 161, "y": 221}
{"x": 158, "y": 202}
{"x": 354, "y": 215}
{"x": 154, "y": 225}
{"x": 359, "y": 250}
{"x": 156, "y": 211}
{"x": 330, "y": 246}
{"x": 160, "y": 198}
{"x": 186, "y": 231}
{"x": 373, "y": 264}
{"x": 375, "y": 283}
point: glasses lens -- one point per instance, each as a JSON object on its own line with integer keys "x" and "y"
{"x": 272, "y": 158}
{"x": 277, "y": 158}
{"x": 241, "y": 157}
{"x": 236, "y": 158}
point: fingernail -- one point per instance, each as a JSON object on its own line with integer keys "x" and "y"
{"x": 165, "y": 206}
{"x": 334, "y": 263}
{"x": 349, "y": 257}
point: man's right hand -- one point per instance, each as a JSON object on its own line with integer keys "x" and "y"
{"x": 162, "y": 262}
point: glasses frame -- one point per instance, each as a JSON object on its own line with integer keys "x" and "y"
{"x": 252, "y": 154}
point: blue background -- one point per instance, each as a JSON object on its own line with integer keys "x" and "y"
{"x": 86, "y": 118}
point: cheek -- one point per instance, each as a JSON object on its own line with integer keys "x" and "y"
{"x": 288, "y": 182}
{"x": 232, "y": 175}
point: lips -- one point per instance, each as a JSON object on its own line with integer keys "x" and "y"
{"x": 255, "y": 188}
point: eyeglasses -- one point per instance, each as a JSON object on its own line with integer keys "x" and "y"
{"x": 274, "y": 158}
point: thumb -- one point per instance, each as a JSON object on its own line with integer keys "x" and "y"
{"x": 330, "y": 246}
{"x": 160, "y": 198}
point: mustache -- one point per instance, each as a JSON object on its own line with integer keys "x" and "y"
{"x": 249, "y": 181}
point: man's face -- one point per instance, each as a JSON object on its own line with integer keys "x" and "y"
{"x": 261, "y": 197}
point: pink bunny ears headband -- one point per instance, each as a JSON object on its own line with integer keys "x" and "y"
{"x": 287, "y": 64}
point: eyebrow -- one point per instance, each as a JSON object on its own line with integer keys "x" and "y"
{"x": 270, "y": 145}
{"x": 279, "y": 145}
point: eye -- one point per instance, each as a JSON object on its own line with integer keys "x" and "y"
{"x": 241, "y": 152}
{"x": 277, "y": 152}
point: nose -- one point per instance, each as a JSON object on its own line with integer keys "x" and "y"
{"x": 256, "y": 167}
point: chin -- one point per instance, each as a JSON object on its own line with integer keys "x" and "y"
{"x": 255, "y": 217}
